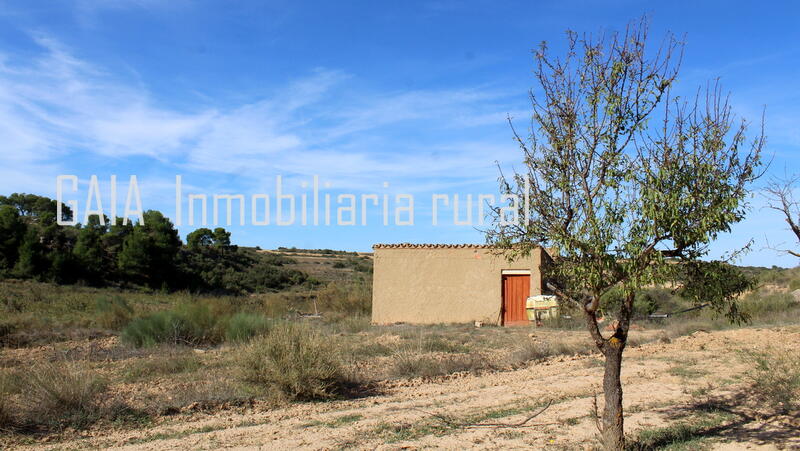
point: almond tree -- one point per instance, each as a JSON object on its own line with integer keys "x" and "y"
{"x": 780, "y": 197}
{"x": 627, "y": 185}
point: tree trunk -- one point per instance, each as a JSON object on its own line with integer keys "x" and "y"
{"x": 613, "y": 432}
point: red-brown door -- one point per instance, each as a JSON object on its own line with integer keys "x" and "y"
{"x": 516, "y": 289}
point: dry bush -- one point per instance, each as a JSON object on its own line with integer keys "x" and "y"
{"x": 61, "y": 394}
{"x": 295, "y": 360}
{"x": 775, "y": 378}
{"x": 353, "y": 297}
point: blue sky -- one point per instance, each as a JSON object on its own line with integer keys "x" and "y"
{"x": 230, "y": 94}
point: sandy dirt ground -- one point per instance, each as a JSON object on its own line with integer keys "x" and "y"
{"x": 680, "y": 382}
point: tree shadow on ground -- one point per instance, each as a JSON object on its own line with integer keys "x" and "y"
{"x": 734, "y": 418}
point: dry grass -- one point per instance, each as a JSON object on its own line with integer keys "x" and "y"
{"x": 295, "y": 360}
{"x": 410, "y": 365}
{"x": 6, "y": 420}
{"x": 536, "y": 351}
{"x": 168, "y": 362}
{"x": 56, "y": 395}
{"x": 775, "y": 378}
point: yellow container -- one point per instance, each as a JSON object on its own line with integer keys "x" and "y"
{"x": 542, "y": 307}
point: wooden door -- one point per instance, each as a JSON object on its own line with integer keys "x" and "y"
{"x": 516, "y": 289}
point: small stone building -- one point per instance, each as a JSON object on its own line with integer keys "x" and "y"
{"x": 436, "y": 283}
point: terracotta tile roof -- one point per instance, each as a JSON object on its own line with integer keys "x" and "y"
{"x": 430, "y": 246}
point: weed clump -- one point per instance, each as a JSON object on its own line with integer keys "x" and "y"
{"x": 296, "y": 361}
{"x": 62, "y": 395}
{"x": 775, "y": 379}
{"x": 353, "y": 297}
{"x": 192, "y": 324}
{"x": 159, "y": 327}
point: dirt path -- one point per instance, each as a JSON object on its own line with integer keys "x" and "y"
{"x": 663, "y": 383}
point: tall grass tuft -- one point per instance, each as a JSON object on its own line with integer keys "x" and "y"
{"x": 112, "y": 313}
{"x": 63, "y": 395}
{"x": 190, "y": 323}
{"x": 159, "y": 327}
{"x": 296, "y": 361}
{"x": 242, "y": 327}
{"x": 353, "y": 297}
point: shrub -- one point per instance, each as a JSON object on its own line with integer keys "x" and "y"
{"x": 296, "y": 361}
{"x": 204, "y": 321}
{"x": 159, "y": 327}
{"x": 112, "y": 313}
{"x": 192, "y": 323}
{"x": 760, "y": 306}
{"x": 775, "y": 378}
{"x": 61, "y": 394}
{"x": 244, "y": 326}
{"x": 352, "y": 297}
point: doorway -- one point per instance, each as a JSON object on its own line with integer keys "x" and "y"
{"x": 516, "y": 289}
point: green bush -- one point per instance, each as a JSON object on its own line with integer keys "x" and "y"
{"x": 204, "y": 321}
{"x": 159, "y": 327}
{"x": 296, "y": 361}
{"x": 191, "y": 323}
{"x": 244, "y": 326}
{"x": 112, "y": 313}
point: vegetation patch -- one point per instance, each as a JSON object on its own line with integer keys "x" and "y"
{"x": 336, "y": 422}
{"x": 297, "y": 361}
{"x": 243, "y": 326}
{"x": 689, "y": 434}
{"x": 172, "y": 363}
{"x": 409, "y": 365}
{"x": 198, "y": 323}
{"x": 775, "y": 378}
{"x": 537, "y": 351}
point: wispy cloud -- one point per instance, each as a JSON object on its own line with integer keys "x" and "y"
{"x": 320, "y": 123}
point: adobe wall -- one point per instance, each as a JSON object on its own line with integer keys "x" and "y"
{"x": 429, "y": 285}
